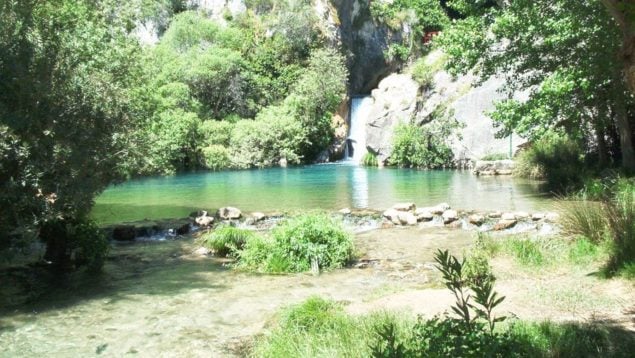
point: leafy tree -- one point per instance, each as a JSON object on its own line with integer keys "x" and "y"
{"x": 68, "y": 94}
{"x": 557, "y": 52}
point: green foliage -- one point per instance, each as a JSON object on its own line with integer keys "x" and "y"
{"x": 422, "y": 15}
{"x": 495, "y": 156}
{"x": 174, "y": 138}
{"x": 216, "y": 157}
{"x": 558, "y": 160}
{"x": 620, "y": 213}
{"x": 584, "y": 218}
{"x": 79, "y": 242}
{"x": 422, "y": 146}
{"x": 304, "y": 243}
{"x": 477, "y": 269}
{"x": 68, "y": 97}
{"x": 546, "y": 53}
{"x": 370, "y": 160}
{"x": 226, "y": 240}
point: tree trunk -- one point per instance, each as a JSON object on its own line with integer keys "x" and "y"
{"x": 625, "y": 132}
{"x": 603, "y": 153}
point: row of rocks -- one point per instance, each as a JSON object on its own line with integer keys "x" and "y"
{"x": 407, "y": 214}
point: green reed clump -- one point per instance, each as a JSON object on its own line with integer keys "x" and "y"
{"x": 226, "y": 240}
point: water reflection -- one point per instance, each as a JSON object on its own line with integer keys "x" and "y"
{"x": 359, "y": 187}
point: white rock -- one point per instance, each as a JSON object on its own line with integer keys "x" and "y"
{"x": 204, "y": 221}
{"x": 450, "y": 216}
{"x": 508, "y": 216}
{"x": 407, "y": 218}
{"x": 202, "y": 251}
{"x": 393, "y": 216}
{"x": 476, "y": 219}
{"x": 423, "y": 215}
{"x": 537, "y": 216}
{"x": 495, "y": 215}
{"x": 258, "y": 216}
{"x": 345, "y": 211}
{"x": 520, "y": 215}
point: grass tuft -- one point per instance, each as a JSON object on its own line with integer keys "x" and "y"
{"x": 226, "y": 240}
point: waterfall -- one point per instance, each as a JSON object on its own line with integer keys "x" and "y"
{"x": 360, "y": 110}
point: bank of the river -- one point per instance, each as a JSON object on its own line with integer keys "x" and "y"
{"x": 163, "y": 299}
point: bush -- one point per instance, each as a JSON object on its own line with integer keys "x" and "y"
{"x": 584, "y": 218}
{"x": 421, "y": 147}
{"x": 216, "y": 157}
{"x": 216, "y": 132}
{"x": 226, "y": 240}
{"x": 558, "y": 160}
{"x": 621, "y": 226}
{"x": 370, "y": 160}
{"x": 307, "y": 242}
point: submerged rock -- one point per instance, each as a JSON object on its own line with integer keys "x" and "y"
{"x": 229, "y": 213}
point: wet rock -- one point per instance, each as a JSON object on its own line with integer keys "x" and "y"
{"x": 229, "y": 213}
{"x": 423, "y": 215}
{"x": 404, "y": 207}
{"x": 508, "y": 216}
{"x": 204, "y": 220}
{"x": 504, "y": 224}
{"x": 457, "y": 224}
{"x": 258, "y": 216}
{"x": 392, "y": 215}
{"x": 450, "y": 216}
{"x": 345, "y": 211}
{"x": 495, "y": 215}
{"x": 521, "y": 215}
{"x": 476, "y": 219}
{"x": 124, "y": 233}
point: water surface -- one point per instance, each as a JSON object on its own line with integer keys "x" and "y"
{"x": 325, "y": 187}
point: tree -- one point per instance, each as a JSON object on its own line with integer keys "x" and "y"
{"x": 557, "y": 52}
{"x": 68, "y": 81}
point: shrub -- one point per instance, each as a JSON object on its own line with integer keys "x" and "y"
{"x": 495, "y": 156}
{"x": 421, "y": 147}
{"x": 558, "y": 160}
{"x": 370, "y": 160}
{"x": 216, "y": 132}
{"x": 621, "y": 226}
{"x": 297, "y": 245}
{"x": 216, "y": 157}
{"x": 584, "y": 218}
{"x": 226, "y": 240}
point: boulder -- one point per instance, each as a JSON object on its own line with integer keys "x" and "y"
{"x": 423, "y": 215}
{"x": 404, "y": 207}
{"x": 455, "y": 224}
{"x": 258, "y": 216}
{"x": 229, "y": 213}
{"x": 204, "y": 221}
{"x": 505, "y": 224}
{"x": 476, "y": 219}
{"x": 392, "y": 215}
{"x": 438, "y": 209}
{"x": 124, "y": 233}
{"x": 508, "y": 216}
{"x": 450, "y": 216}
{"x": 345, "y": 211}
{"x": 521, "y": 215}
{"x": 407, "y": 218}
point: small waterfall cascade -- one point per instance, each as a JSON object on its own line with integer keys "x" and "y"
{"x": 356, "y": 143}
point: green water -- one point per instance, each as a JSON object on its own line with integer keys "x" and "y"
{"x": 327, "y": 187}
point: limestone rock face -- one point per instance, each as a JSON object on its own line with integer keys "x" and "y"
{"x": 395, "y": 102}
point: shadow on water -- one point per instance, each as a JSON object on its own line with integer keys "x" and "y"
{"x": 149, "y": 268}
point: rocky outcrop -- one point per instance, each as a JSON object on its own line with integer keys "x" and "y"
{"x": 494, "y": 167}
{"x": 365, "y": 42}
{"x": 394, "y": 102}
